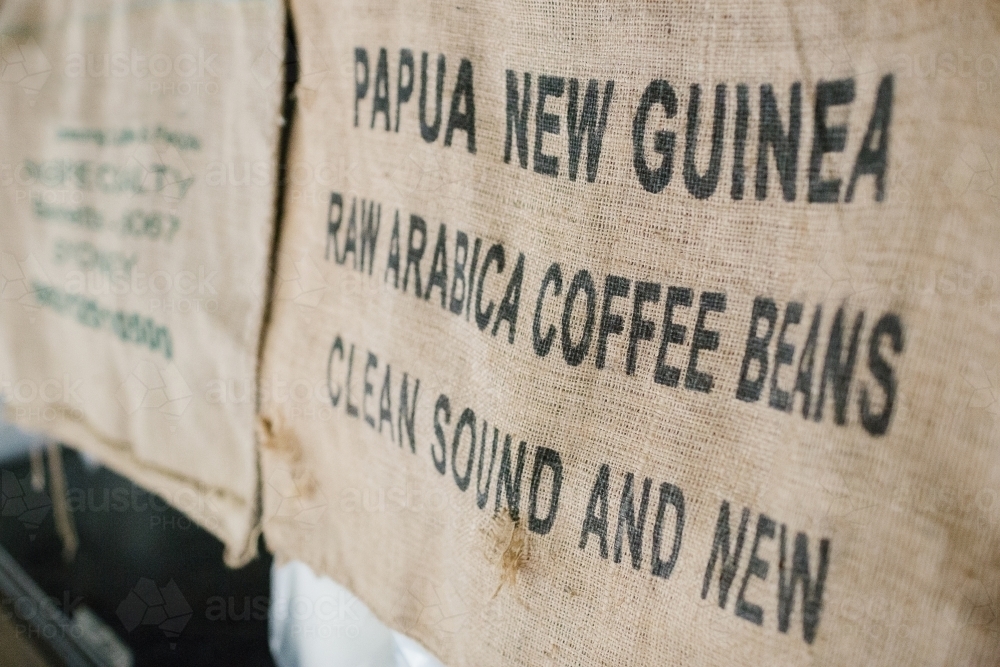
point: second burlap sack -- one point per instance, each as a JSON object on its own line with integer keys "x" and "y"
{"x": 137, "y": 186}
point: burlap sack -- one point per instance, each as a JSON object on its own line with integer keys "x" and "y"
{"x": 659, "y": 333}
{"x": 136, "y": 215}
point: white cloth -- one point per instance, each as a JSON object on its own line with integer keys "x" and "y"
{"x": 315, "y": 622}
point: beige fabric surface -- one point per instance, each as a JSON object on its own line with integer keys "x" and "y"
{"x": 824, "y": 413}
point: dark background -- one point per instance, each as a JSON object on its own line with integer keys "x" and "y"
{"x": 126, "y": 535}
